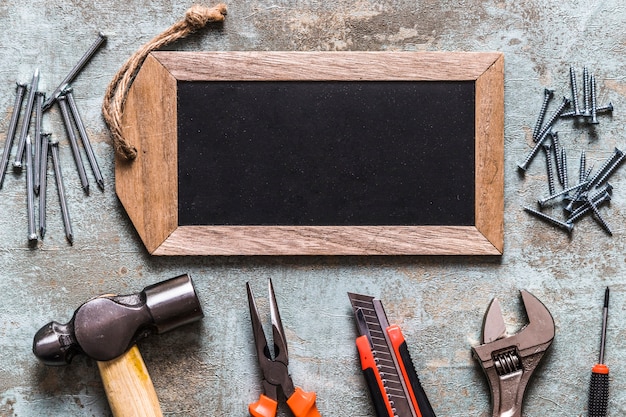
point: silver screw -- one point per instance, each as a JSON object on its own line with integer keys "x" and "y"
{"x": 17, "y": 108}
{"x": 547, "y": 96}
{"x": 572, "y": 78}
{"x": 75, "y": 70}
{"x": 567, "y": 226}
{"x": 556, "y": 145}
{"x": 564, "y": 168}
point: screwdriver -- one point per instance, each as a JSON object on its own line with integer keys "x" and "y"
{"x": 599, "y": 387}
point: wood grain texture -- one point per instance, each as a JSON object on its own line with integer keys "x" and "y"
{"x": 327, "y": 240}
{"x": 321, "y": 66}
{"x": 490, "y": 154}
{"x": 148, "y": 186}
{"x": 128, "y": 386}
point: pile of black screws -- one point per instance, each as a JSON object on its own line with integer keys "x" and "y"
{"x": 591, "y": 190}
{"x": 32, "y": 154}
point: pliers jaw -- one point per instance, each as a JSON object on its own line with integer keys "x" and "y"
{"x": 273, "y": 362}
{"x": 509, "y": 361}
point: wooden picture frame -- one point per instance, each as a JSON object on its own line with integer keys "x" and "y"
{"x": 147, "y": 186}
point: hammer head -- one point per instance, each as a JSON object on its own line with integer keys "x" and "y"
{"x": 105, "y": 327}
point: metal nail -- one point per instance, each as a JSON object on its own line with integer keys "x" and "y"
{"x": 563, "y": 225}
{"x": 17, "y": 108}
{"x": 85, "y": 138}
{"x": 39, "y": 98}
{"x": 43, "y": 182}
{"x": 547, "y": 96}
{"x": 572, "y": 78}
{"x": 54, "y": 146}
{"x": 17, "y": 163}
{"x": 30, "y": 192}
{"x": 542, "y": 202}
{"x": 75, "y": 70}
{"x": 65, "y": 112}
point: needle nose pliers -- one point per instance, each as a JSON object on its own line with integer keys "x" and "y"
{"x": 274, "y": 366}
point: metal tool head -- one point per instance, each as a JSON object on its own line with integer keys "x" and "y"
{"x": 105, "y": 327}
{"x": 273, "y": 362}
{"x": 509, "y": 360}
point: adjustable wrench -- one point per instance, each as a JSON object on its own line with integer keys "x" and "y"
{"x": 509, "y": 360}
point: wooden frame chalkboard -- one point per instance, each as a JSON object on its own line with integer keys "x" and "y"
{"x": 313, "y": 153}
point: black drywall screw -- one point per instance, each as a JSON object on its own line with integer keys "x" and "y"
{"x": 542, "y": 202}
{"x": 586, "y": 92}
{"x": 602, "y": 109}
{"x": 547, "y": 148}
{"x": 65, "y": 112}
{"x": 610, "y": 170}
{"x": 556, "y": 145}
{"x": 598, "y": 217}
{"x": 17, "y": 108}
{"x": 17, "y": 163}
{"x": 594, "y": 107}
{"x": 543, "y": 134}
{"x": 547, "y": 96}
{"x": 563, "y": 225}
{"x": 583, "y": 166}
{"x": 572, "y": 79}
{"x": 85, "y": 138}
{"x": 54, "y": 146}
{"x": 617, "y": 154}
{"x": 564, "y": 168}
{"x": 75, "y": 70}
{"x": 598, "y": 199}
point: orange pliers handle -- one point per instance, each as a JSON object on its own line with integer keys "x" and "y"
{"x": 301, "y": 403}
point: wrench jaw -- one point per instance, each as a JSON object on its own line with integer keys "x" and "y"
{"x": 509, "y": 361}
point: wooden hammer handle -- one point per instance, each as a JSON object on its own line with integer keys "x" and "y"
{"x": 128, "y": 386}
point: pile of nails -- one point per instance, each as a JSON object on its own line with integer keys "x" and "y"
{"x": 32, "y": 154}
{"x": 592, "y": 189}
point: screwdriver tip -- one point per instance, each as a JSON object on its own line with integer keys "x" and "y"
{"x": 606, "y": 298}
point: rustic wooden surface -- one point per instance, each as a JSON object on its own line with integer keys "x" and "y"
{"x": 210, "y": 367}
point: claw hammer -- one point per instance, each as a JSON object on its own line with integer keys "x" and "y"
{"x": 106, "y": 328}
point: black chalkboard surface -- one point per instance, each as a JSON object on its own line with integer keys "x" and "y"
{"x": 320, "y": 153}
{"x": 312, "y": 153}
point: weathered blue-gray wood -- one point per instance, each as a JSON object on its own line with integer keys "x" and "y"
{"x": 209, "y": 369}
